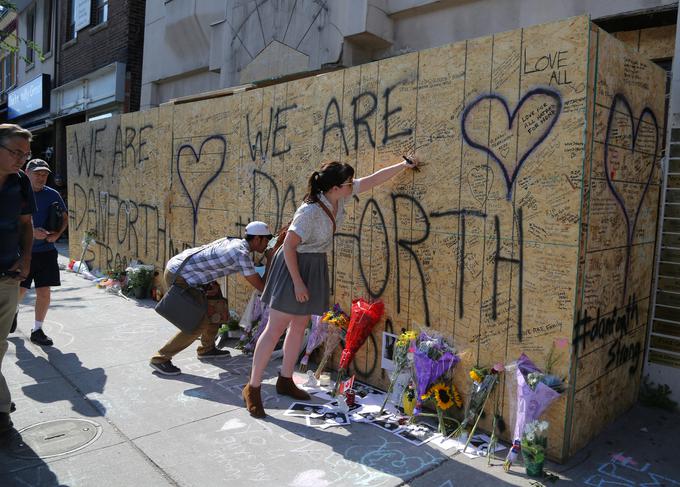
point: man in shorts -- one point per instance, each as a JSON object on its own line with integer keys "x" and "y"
{"x": 44, "y": 268}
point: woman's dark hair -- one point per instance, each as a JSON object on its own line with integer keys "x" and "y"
{"x": 331, "y": 174}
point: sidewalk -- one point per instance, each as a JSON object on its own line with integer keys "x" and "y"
{"x": 192, "y": 429}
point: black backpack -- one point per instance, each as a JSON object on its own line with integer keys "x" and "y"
{"x": 55, "y": 217}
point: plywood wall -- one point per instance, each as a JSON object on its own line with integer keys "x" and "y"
{"x": 483, "y": 245}
{"x": 623, "y": 176}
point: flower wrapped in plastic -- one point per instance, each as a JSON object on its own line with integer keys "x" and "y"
{"x": 432, "y": 359}
{"x": 335, "y": 324}
{"x": 535, "y": 392}
{"x": 402, "y": 359}
{"x": 253, "y": 322}
{"x": 483, "y": 383}
{"x": 363, "y": 317}
{"x": 317, "y": 335}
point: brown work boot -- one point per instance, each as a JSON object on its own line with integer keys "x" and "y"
{"x": 251, "y": 395}
{"x": 286, "y": 387}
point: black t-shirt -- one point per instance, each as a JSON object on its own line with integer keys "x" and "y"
{"x": 16, "y": 199}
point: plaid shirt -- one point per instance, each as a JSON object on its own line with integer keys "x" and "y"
{"x": 216, "y": 259}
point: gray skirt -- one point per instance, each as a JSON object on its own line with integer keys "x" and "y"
{"x": 279, "y": 292}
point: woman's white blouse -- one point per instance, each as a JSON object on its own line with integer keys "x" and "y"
{"x": 313, "y": 225}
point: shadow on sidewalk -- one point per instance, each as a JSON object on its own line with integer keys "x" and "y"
{"x": 56, "y": 359}
{"x": 20, "y": 465}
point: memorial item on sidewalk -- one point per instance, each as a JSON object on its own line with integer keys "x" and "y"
{"x": 402, "y": 359}
{"x": 253, "y": 322}
{"x": 431, "y": 360}
{"x": 317, "y": 335}
{"x": 440, "y": 394}
{"x": 535, "y": 392}
{"x": 363, "y": 317}
{"x": 483, "y": 383}
{"x": 534, "y": 444}
{"x": 336, "y": 321}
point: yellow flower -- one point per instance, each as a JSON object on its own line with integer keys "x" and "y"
{"x": 442, "y": 395}
{"x": 475, "y": 376}
{"x": 405, "y": 338}
{"x": 456, "y": 396}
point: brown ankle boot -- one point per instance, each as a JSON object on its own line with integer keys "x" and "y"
{"x": 251, "y": 395}
{"x": 286, "y": 387}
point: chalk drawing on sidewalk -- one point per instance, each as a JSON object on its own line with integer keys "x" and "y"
{"x": 626, "y": 474}
{"x": 310, "y": 478}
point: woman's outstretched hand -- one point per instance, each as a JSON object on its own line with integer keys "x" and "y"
{"x": 301, "y": 293}
{"x": 412, "y": 162}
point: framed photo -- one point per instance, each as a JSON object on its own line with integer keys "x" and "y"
{"x": 387, "y": 423}
{"x": 389, "y": 340}
{"x": 327, "y": 420}
{"x": 417, "y": 434}
{"x": 303, "y": 409}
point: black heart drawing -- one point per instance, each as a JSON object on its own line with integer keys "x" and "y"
{"x": 630, "y": 224}
{"x": 510, "y": 178}
{"x": 196, "y": 202}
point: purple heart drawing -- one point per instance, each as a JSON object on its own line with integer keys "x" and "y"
{"x": 195, "y": 202}
{"x": 630, "y": 224}
{"x": 510, "y": 178}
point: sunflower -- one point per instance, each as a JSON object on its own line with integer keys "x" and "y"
{"x": 456, "y": 396}
{"x": 442, "y": 394}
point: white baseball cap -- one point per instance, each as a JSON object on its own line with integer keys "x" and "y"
{"x": 258, "y": 228}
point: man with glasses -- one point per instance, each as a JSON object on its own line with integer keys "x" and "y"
{"x": 17, "y": 204}
{"x": 44, "y": 266}
{"x": 207, "y": 264}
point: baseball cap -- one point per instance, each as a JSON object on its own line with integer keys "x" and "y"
{"x": 258, "y": 228}
{"x": 37, "y": 165}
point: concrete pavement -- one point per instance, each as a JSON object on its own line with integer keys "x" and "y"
{"x": 141, "y": 429}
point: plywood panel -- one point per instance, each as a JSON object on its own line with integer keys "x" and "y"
{"x": 618, "y": 252}
{"x": 518, "y": 225}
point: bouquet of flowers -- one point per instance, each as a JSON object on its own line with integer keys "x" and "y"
{"x": 534, "y": 443}
{"x": 253, "y": 322}
{"x": 535, "y": 392}
{"x": 432, "y": 359}
{"x": 317, "y": 334}
{"x": 483, "y": 383}
{"x": 363, "y": 317}
{"x": 402, "y": 358}
{"x": 89, "y": 237}
{"x": 335, "y": 324}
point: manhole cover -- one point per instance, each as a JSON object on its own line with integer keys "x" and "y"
{"x": 54, "y": 438}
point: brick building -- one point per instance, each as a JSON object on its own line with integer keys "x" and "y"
{"x": 100, "y": 63}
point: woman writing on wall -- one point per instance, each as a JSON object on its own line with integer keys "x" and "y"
{"x": 298, "y": 283}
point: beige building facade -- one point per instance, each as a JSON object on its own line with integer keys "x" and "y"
{"x": 194, "y": 46}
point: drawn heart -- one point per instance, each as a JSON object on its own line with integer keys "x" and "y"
{"x": 630, "y": 224}
{"x": 510, "y": 178}
{"x": 196, "y": 201}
